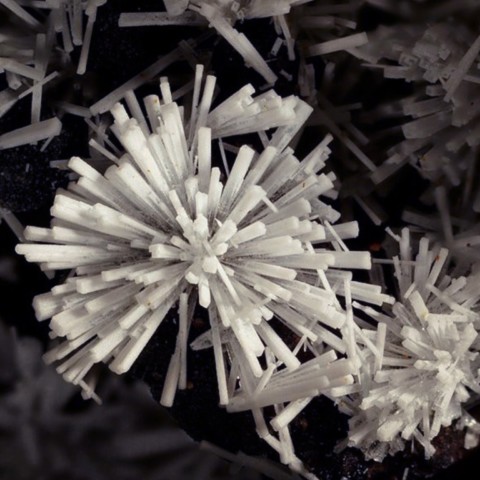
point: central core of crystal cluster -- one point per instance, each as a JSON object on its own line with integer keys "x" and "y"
{"x": 202, "y": 250}
{"x": 200, "y": 246}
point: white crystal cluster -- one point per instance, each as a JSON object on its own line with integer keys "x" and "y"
{"x": 163, "y": 227}
{"x": 439, "y": 124}
{"x": 222, "y": 16}
{"x": 181, "y": 223}
{"x": 420, "y": 361}
{"x": 441, "y": 61}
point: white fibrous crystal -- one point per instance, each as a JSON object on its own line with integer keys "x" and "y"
{"x": 13, "y": 223}
{"x": 163, "y": 227}
{"x": 439, "y": 121}
{"x": 419, "y": 363}
{"x": 329, "y": 26}
{"x": 31, "y": 134}
{"x": 222, "y": 16}
{"x": 339, "y": 44}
